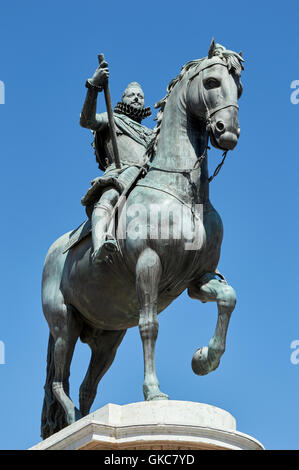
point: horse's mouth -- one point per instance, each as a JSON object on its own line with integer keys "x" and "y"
{"x": 225, "y": 141}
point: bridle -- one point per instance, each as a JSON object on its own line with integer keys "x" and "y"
{"x": 209, "y": 112}
{"x": 206, "y": 117}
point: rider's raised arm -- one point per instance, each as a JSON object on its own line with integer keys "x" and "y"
{"x": 89, "y": 118}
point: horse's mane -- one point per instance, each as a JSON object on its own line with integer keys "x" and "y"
{"x": 234, "y": 64}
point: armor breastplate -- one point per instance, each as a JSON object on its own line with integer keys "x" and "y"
{"x": 130, "y": 151}
{"x": 132, "y": 141}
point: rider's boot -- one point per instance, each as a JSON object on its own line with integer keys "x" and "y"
{"x": 104, "y": 243}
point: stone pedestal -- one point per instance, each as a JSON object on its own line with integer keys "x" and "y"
{"x": 155, "y": 425}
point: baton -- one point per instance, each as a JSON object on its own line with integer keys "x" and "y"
{"x": 110, "y": 117}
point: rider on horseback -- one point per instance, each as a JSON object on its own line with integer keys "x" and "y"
{"x": 132, "y": 140}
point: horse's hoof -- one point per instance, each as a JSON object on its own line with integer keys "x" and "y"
{"x": 160, "y": 396}
{"x": 200, "y": 363}
{"x": 153, "y": 394}
{"x": 203, "y": 361}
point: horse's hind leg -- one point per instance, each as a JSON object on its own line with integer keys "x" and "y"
{"x": 103, "y": 344}
{"x": 148, "y": 274}
{"x": 65, "y": 330}
{"x": 210, "y": 289}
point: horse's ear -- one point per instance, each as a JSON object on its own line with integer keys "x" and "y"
{"x": 240, "y": 54}
{"x": 211, "y": 50}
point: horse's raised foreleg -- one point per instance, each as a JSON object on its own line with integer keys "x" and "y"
{"x": 65, "y": 331}
{"x": 103, "y": 344}
{"x": 148, "y": 274}
{"x": 212, "y": 289}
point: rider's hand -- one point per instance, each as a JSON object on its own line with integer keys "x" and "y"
{"x": 101, "y": 75}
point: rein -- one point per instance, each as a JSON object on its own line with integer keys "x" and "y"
{"x": 196, "y": 165}
{"x": 187, "y": 170}
{"x": 218, "y": 168}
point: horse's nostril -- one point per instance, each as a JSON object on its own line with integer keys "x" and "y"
{"x": 220, "y": 126}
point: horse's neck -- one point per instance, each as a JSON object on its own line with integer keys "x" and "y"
{"x": 182, "y": 141}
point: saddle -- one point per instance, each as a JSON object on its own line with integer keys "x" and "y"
{"x": 85, "y": 228}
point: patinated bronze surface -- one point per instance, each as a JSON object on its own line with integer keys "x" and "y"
{"x": 99, "y": 298}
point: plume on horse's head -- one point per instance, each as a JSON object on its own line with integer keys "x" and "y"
{"x": 232, "y": 59}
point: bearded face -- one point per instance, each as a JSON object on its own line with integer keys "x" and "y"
{"x": 132, "y": 103}
{"x": 133, "y": 96}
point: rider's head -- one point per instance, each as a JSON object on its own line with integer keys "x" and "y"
{"x": 133, "y": 95}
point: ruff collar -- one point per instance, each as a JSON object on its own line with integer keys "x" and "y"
{"x": 131, "y": 112}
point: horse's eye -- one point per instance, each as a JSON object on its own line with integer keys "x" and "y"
{"x": 212, "y": 83}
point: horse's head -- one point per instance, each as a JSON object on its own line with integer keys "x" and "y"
{"x": 214, "y": 88}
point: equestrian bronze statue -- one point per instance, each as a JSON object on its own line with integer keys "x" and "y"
{"x": 151, "y": 231}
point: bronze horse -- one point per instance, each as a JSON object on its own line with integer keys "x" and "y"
{"x": 99, "y": 303}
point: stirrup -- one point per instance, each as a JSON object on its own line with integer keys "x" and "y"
{"x": 109, "y": 246}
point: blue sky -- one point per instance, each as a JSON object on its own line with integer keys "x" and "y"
{"x": 47, "y": 52}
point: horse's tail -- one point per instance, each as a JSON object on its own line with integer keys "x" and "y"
{"x": 53, "y": 415}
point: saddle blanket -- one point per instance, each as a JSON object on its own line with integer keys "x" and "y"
{"x": 78, "y": 234}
